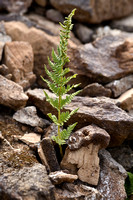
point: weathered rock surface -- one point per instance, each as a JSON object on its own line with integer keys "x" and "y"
{"x": 94, "y": 11}
{"x": 18, "y": 57}
{"x": 77, "y": 192}
{"x": 11, "y": 94}
{"x": 3, "y": 39}
{"x": 41, "y": 2}
{"x": 100, "y": 111}
{"x": 125, "y": 24}
{"x": 123, "y": 155}
{"x": 112, "y": 178}
{"x": 125, "y": 101}
{"x": 27, "y": 183}
{"x": 81, "y": 156}
{"x": 4, "y": 71}
{"x": 120, "y": 86}
{"x": 15, "y": 6}
{"x": 94, "y": 90}
{"x": 58, "y": 177}
{"x": 28, "y": 115}
{"x": 30, "y": 138}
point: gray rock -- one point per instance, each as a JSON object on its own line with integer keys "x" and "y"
{"x": 15, "y": 6}
{"x": 112, "y": 178}
{"x": 27, "y": 183}
{"x": 100, "y": 111}
{"x": 12, "y": 94}
{"x": 94, "y": 90}
{"x": 124, "y": 24}
{"x": 96, "y": 11}
{"x": 83, "y": 33}
{"x": 54, "y": 15}
{"x": 123, "y": 155}
{"x": 28, "y": 115}
{"x": 120, "y": 86}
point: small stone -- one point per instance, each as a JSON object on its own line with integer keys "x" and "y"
{"x": 59, "y": 177}
{"x": 83, "y": 33}
{"x": 28, "y": 115}
{"x": 54, "y": 15}
{"x": 125, "y": 101}
{"x": 12, "y": 94}
{"x": 30, "y": 138}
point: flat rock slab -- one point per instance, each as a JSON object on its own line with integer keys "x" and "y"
{"x": 101, "y": 111}
{"x": 95, "y": 11}
{"x": 28, "y": 115}
{"x": 27, "y": 183}
{"x": 11, "y": 94}
{"x": 106, "y": 59}
{"x": 112, "y": 178}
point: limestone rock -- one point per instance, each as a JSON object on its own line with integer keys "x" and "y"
{"x": 58, "y": 177}
{"x": 120, "y": 86}
{"x": 94, "y": 90}
{"x": 11, "y": 94}
{"x": 27, "y": 183}
{"x": 15, "y": 6}
{"x": 112, "y": 178}
{"x": 125, "y": 101}
{"x": 28, "y": 115}
{"x": 100, "y": 111}
{"x": 18, "y": 57}
{"x": 94, "y": 11}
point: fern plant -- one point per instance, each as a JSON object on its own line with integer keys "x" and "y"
{"x": 58, "y": 84}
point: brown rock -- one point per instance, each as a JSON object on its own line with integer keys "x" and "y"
{"x": 19, "y": 59}
{"x": 60, "y": 177}
{"x": 30, "y": 138}
{"x": 94, "y": 90}
{"x": 41, "y": 2}
{"x": 125, "y": 101}
{"x": 101, "y": 111}
{"x": 81, "y": 156}
{"x": 15, "y": 6}
{"x": 94, "y": 11}
{"x": 54, "y": 15}
{"x": 11, "y": 94}
{"x": 120, "y": 86}
{"x": 112, "y": 178}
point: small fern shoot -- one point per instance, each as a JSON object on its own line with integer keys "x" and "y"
{"x": 58, "y": 84}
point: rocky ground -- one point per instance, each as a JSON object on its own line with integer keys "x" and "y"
{"x": 99, "y": 152}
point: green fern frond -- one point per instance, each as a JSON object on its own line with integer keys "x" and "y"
{"x": 66, "y": 132}
{"x": 53, "y": 102}
{"x": 65, "y": 116}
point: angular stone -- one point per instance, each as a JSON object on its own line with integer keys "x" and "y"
{"x": 94, "y": 11}
{"x": 94, "y": 90}
{"x": 100, "y": 111}
{"x": 30, "y": 138}
{"x": 28, "y": 115}
{"x": 58, "y": 177}
{"x": 112, "y": 178}
{"x": 18, "y": 57}
{"x": 27, "y": 183}
{"x": 120, "y": 86}
{"x": 15, "y": 6}
{"x": 125, "y": 101}
{"x": 11, "y": 94}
